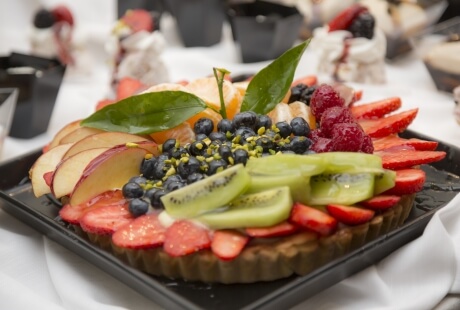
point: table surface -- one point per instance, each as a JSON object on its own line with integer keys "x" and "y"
{"x": 406, "y": 78}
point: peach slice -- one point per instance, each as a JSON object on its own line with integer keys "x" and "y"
{"x": 108, "y": 171}
{"x": 70, "y": 169}
{"x": 47, "y": 162}
{"x": 103, "y": 139}
{"x": 78, "y": 134}
{"x": 64, "y": 131}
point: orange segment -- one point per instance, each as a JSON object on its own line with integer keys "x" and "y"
{"x": 207, "y": 89}
{"x": 182, "y": 133}
{"x": 165, "y": 86}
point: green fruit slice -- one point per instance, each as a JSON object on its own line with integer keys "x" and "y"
{"x": 287, "y": 164}
{"x": 350, "y": 162}
{"x": 207, "y": 194}
{"x": 384, "y": 181}
{"x": 342, "y": 188}
{"x": 299, "y": 185}
{"x": 261, "y": 209}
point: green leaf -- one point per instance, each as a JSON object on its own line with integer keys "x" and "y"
{"x": 147, "y": 113}
{"x": 269, "y": 86}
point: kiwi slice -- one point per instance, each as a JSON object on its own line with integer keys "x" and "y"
{"x": 208, "y": 194}
{"x": 341, "y": 188}
{"x": 261, "y": 209}
{"x": 384, "y": 181}
{"x": 297, "y": 183}
{"x": 350, "y": 162}
{"x": 287, "y": 164}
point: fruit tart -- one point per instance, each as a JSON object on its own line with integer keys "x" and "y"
{"x": 277, "y": 189}
{"x": 351, "y": 48}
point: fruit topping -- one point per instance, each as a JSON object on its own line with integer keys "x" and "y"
{"x": 62, "y": 13}
{"x": 324, "y": 97}
{"x": 228, "y": 244}
{"x": 381, "y": 202}
{"x": 347, "y": 137}
{"x": 345, "y": 18}
{"x": 184, "y": 237}
{"x": 313, "y": 219}
{"x": 282, "y": 229}
{"x": 105, "y": 219}
{"x": 376, "y": 109}
{"x": 43, "y": 19}
{"x": 142, "y": 233}
{"x": 333, "y": 116}
{"x": 350, "y": 215}
{"x": 302, "y": 92}
{"x": 408, "y": 181}
{"x": 128, "y": 87}
{"x": 138, "y": 20}
{"x": 395, "y": 123}
{"x": 362, "y": 26}
{"x": 406, "y": 158}
{"x": 395, "y": 142}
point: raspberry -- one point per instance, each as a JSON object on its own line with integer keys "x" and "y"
{"x": 332, "y": 116}
{"x": 315, "y": 134}
{"x": 367, "y": 146}
{"x": 324, "y": 97}
{"x": 347, "y": 137}
{"x": 322, "y": 145}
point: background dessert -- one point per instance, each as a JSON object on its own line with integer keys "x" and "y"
{"x": 456, "y": 94}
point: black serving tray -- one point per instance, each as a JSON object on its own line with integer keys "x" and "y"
{"x": 443, "y": 183}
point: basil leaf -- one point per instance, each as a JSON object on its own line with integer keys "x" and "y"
{"x": 269, "y": 86}
{"x": 146, "y": 113}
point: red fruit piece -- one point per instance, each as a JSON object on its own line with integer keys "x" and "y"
{"x": 127, "y": 87}
{"x": 144, "y": 232}
{"x": 308, "y": 80}
{"x": 347, "y": 137}
{"x": 367, "y": 146}
{"x": 381, "y": 202}
{"x": 394, "y": 141}
{"x": 62, "y": 13}
{"x": 376, "y": 109}
{"x": 228, "y": 244}
{"x": 408, "y": 181}
{"x": 103, "y": 103}
{"x": 72, "y": 214}
{"x": 184, "y": 237}
{"x": 350, "y": 215}
{"x": 332, "y": 116}
{"x": 313, "y": 219}
{"x": 281, "y": 229}
{"x": 344, "y": 19}
{"x": 323, "y": 98}
{"x": 322, "y": 145}
{"x": 138, "y": 20}
{"x": 48, "y": 177}
{"x": 400, "y": 159}
{"x": 392, "y": 124}
{"x": 106, "y": 219}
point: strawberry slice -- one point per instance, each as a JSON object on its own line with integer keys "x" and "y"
{"x": 127, "y": 87}
{"x": 308, "y": 80}
{"x": 394, "y": 141}
{"x": 184, "y": 237}
{"x": 144, "y": 232}
{"x": 103, "y": 103}
{"x": 106, "y": 219}
{"x": 395, "y": 123}
{"x": 405, "y": 158}
{"x": 376, "y": 109}
{"x": 344, "y": 19}
{"x": 281, "y": 229}
{"x": 313, "y": 219}
{"x": 228, "y": 244}
{"x": 138, "y": 20}
{"x": 408, "y": 181}
{"x": 72, "y": 214}
{"x": 350, "y": 215}
{"x": 381, "y": 202}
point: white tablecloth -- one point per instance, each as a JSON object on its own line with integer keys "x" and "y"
{"x": 37, "y": 273}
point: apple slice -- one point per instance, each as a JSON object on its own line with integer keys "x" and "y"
{"x": 70, "y": 170}
{"x": 108, "y": 171}
{"x": 47, "y": 162}
{"x": 103, "y": 139}
{"x": 78, "y": 134}
{"x": 64, "y": 131}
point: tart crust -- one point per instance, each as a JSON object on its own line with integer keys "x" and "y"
{"x": 265, "y": 260}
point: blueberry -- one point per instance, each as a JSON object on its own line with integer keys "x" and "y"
{"x": 245, "y": 119}
{"x": 194, "y": 177}
{"x": 149, "y": 193}
{"x": 160, "y": 168}
{"x": 132, "y": 190}
{"x": 155, "y": 201}
{"x": 138, "y": 207}
{"x": 172, "y": 186}
{"x": 244, "y": 133}
{"x": 200, "y": 137}
{"x": 225, "y": 125}
{"x": 285, "y": 129}
{"x": 300, "y": 127}
{"x": 197, "y": 148}
{"x": 216, "y": 166}
{"x": 225, "y": 152}
{"x": 178, "y": 152}
{"x": 240, "y": 156}
{"x": 172, "y": 178}
{"x": 266, "y": 143}
{"x": 214, "y": 136}
{"x": 264, "y": 121}
{"x": 138, "y": 179}
{"x": 300, "y": 145}
{"x": 203, "y": 125}
{"x": 148, "y": 167}
{"x": 169, "y": 145}
{"x": 44, "y": 19}
{"x": 186, "y": 168}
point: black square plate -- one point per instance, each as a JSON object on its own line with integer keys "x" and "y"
{"x": 443, "y": 183}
